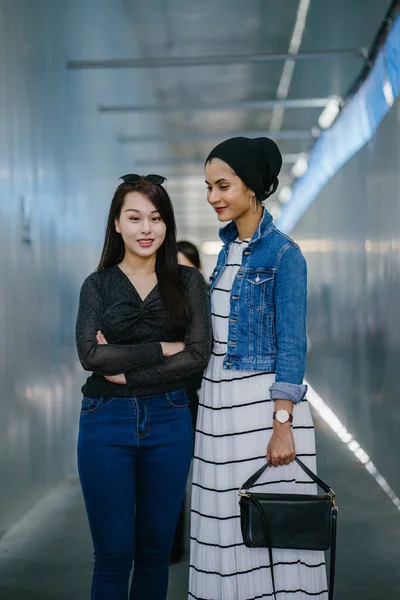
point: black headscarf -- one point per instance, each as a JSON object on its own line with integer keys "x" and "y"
{"x": 256, "y": 161}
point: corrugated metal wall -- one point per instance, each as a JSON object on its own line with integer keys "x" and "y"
{"x": 351, "y": 238}
{"x": 38, "y": 273}
{"x": 49, "y": 228}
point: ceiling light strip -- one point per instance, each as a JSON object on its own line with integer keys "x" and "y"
{"x": 287, "y": 73}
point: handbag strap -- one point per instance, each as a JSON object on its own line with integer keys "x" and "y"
{"x": 332, "y": 558}
{"x": 268, "y": 538}
{"x": 252, "y": 480}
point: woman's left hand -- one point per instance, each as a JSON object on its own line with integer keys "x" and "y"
{"x": 121, "y": 379}
{"x": 100, "y": 339}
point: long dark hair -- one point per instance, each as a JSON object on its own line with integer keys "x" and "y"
{"x": 172, "y": 292}
{"x": 190, "y": 251}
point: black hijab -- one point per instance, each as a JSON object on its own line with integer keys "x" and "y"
{"x": 256, "y": 161}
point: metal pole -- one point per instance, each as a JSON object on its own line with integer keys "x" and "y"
{"x": 245, "y": 105}
{"x": 197, "y": 61}
{"x": 282, "y": 135}
{"x": 196, "y": 162}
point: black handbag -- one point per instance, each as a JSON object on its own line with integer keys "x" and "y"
{"x": 291, "y": 521}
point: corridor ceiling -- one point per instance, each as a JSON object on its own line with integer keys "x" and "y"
{"x": 168, "y": 79}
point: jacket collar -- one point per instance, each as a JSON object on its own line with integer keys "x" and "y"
{"x": 230, "y": 231}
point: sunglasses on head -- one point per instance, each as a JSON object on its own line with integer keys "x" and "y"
{"x": 134, "y": 178}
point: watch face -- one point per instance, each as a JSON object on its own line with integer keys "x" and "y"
{"x": 282, "y": 416}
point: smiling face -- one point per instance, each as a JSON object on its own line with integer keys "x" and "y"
{"x": 140, "y": 225}
{"x": 226, "y": 192}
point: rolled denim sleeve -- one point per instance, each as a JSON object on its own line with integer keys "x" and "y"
{"x": 288, "y": 391}
{"x": 290, "y": 326}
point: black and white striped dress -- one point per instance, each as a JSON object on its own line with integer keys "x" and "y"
{"x": 233, "y": 429}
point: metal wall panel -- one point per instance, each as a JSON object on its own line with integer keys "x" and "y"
{"x": 57, "y": 174}
{"x": 38, "y": 272}
{"x": 351, "y": 239}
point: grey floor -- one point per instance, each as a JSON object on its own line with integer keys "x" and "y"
{"x": 48, "y": 554}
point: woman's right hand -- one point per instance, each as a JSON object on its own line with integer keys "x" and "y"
{"x": 170, "y": 348}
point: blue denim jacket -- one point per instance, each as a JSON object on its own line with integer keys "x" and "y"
{"x": 267, "y": 321}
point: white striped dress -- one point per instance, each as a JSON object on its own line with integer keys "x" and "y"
{"x": 233, "y": 429}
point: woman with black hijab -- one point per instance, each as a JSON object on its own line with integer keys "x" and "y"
{"x": 252, "y": 404}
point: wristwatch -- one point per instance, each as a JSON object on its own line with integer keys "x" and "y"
{"x": 282, "y": 416}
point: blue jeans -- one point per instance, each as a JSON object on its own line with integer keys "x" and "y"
{"x": 133, "y": 459}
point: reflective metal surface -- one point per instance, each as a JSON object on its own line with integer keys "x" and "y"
{"x": 351, "y": 240}
{"x": 60, "y": 160}
{"x": 58, "y": 170}
{"x": 38, "y": 282}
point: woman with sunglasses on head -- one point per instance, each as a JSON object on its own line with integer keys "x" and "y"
{"x": 252, "y": 404}
{"x": 143, "y": 328}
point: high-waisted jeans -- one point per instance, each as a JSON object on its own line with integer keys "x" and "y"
{"x": 133, "y": 458}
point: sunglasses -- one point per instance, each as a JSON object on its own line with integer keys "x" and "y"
{"x": 134, "y": 178}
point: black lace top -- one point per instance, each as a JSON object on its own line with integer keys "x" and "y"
{"x": 134, "y": 329}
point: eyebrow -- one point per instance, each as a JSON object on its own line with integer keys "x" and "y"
{"x": 219, "y": 180}
{"x": 138, "y": 211}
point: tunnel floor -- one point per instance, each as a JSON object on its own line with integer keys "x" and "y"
{"x": 48, "y": 555}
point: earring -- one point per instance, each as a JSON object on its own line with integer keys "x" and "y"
{"x": 253, "y": 210}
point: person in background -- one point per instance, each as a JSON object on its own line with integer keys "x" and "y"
{"x": 188, "y": 255}
{"x": 143, "y": 328}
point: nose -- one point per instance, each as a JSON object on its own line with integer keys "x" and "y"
{"x": 213, "y": 196}
{"x": 146, "y": 228}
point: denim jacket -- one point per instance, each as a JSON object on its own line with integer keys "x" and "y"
{"x": 267, "y": 320}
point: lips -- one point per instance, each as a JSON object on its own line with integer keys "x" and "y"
{"x": 145, "y": 243}
{"x": 220, "y": 209}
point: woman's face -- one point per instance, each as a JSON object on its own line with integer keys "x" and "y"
{"x": 140, "y": 225}
{"x": 226, "y": 192}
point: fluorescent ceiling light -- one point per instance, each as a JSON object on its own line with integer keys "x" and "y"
{"x": 211, "y": 248}
{"x": 388, "y": 92}
{"x": 300, "y": 24}
{"x": 316, "y": 132}
{"x": 285, "y": 194}
{"x": 300, "y": 166}
{"x": 330, "y": 112}
{"x": 287, "y": 73}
